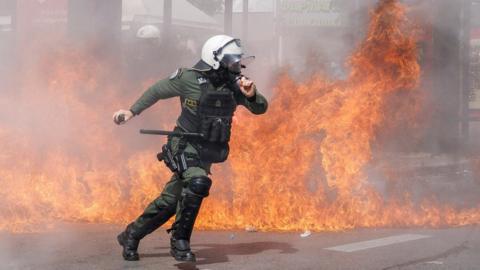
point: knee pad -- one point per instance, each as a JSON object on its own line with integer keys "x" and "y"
{"x": 200, "y": 186}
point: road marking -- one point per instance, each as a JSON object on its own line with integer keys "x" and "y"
{"x": 435, "y": 262}
{"x": 380, "y": 242}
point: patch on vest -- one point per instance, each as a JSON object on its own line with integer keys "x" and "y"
{"x": 191, "y": 103}
{"x": 174, "y": 74}
{"x": 202, "y": 80}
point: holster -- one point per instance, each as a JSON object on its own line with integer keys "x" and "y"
{"x": 167, "y": 157}
{"x": 179, "y": 162}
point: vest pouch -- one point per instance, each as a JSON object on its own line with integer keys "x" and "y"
{"x": 215, "y": 130}
{"x": 215, "y": 111}
{"x": 225, "y": 131}
{"x": 213, "y": 152}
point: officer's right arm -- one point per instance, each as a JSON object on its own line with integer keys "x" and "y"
{"x": 163, "y": 89}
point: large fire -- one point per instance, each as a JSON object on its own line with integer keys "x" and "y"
{"x": 300, "y": 166}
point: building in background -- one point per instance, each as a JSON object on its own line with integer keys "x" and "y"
{"x": 182, "y": 30}
{"x": 7, "y": 16}
{"x": 309, "y": 36}
{"x": 7, "y": 42}
{"x": 85, "y": 23}
{"x": 474, "y": 94}
{"x": 183, "y": 14}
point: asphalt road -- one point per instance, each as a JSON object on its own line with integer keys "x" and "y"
{"x": 93, "y": 246}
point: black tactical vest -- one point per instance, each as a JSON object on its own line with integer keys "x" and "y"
{"x": 215, "y": 110}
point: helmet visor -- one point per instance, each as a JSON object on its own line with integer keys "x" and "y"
{"x": 235, "y": 62}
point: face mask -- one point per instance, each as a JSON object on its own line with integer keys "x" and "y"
{"x": 235, "y": 62}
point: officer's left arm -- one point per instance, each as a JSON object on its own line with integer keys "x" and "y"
{"x": 257, "y": 104}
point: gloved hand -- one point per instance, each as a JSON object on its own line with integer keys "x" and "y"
{"x": 122, "y": 116}
{"x": 247, "y": 87}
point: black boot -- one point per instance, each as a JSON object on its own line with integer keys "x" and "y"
{"x": 180, "y": 250}
{"x": 192, "y": 197}
{"x": 129, "y": 243}
{"x": 132, "y": 235}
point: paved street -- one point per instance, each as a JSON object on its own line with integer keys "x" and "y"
{"x": 89, "y": 246}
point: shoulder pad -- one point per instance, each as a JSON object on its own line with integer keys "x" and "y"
{"x": 176, "y": 74}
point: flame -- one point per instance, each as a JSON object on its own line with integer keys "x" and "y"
{"x": 303, "y": 165}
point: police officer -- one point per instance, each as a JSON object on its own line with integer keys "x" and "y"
{"x": 209, "y": 93}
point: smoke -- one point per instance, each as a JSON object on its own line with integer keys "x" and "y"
{"x": 63, "y": 159}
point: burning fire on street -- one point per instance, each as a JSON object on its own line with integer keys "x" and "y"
{"x": 300, "y": 166}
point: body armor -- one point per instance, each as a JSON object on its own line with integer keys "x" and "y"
{"x": 214, "y": 114}
{"x": 213, "y": 119}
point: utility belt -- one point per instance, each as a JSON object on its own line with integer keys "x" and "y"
{"x": 180, "y": 161}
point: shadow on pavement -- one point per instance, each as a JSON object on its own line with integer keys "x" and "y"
{"x": 218, "y": 253}
{"x": 155, "y": 255}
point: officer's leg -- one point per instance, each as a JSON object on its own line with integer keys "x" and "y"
{"x": 155, "y": 215}
{"x": 196, "y": 187}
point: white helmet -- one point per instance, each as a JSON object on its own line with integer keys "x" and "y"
{"x": 223, "y": 50}
{"x": 148, "y": 32}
